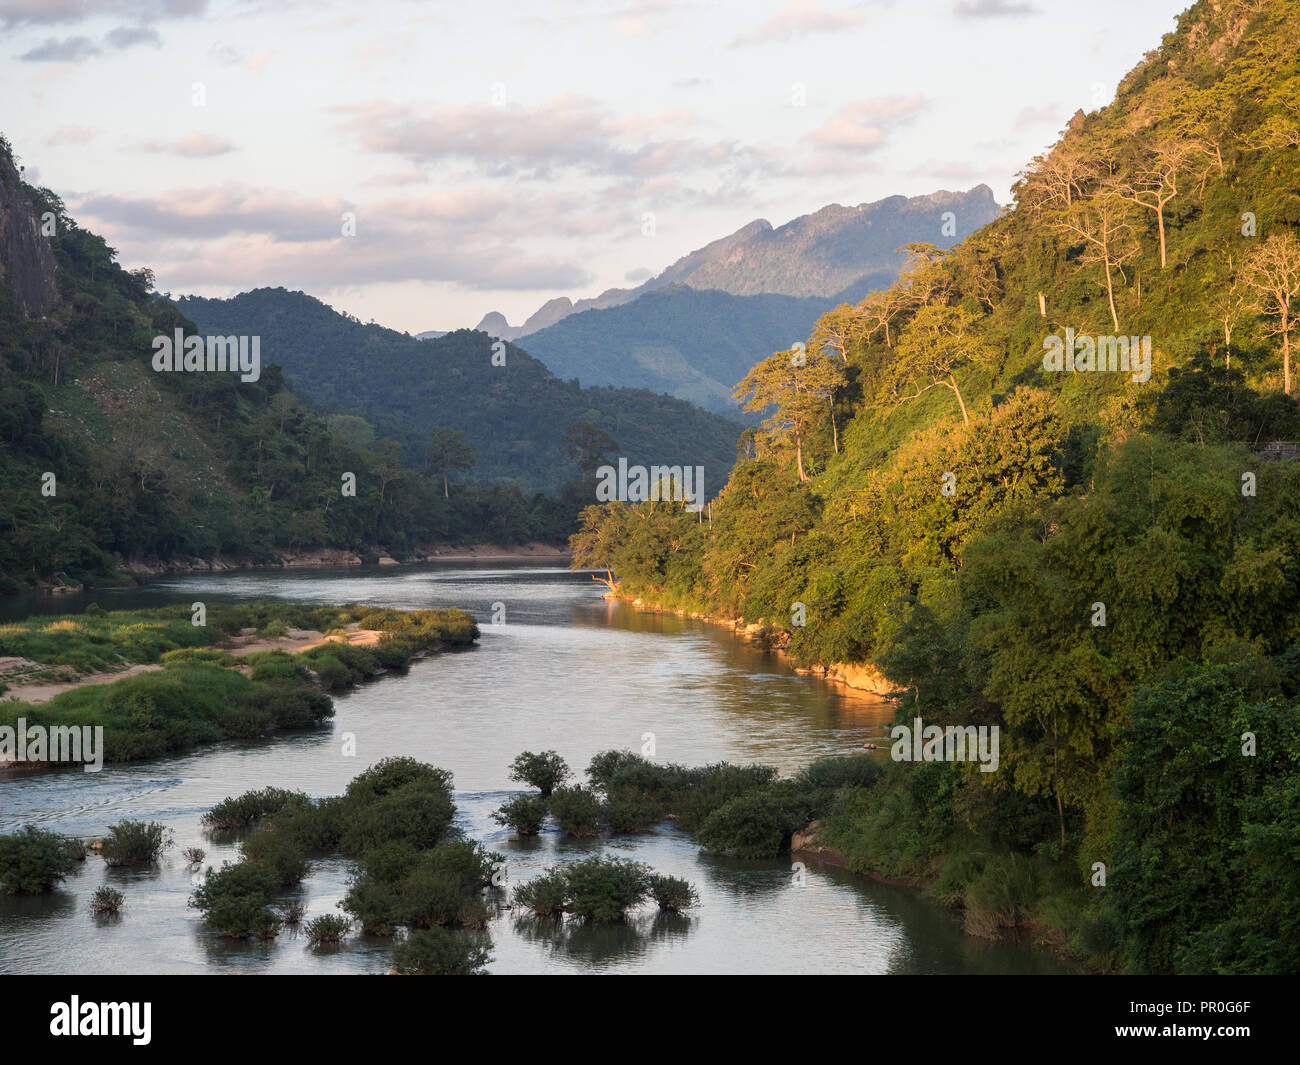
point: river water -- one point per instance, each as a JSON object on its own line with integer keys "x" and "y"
{"x": 564, "y": 670}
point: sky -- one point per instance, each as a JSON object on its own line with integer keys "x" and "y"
{"x": 420, "y": 164}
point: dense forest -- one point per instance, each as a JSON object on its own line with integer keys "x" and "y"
{"x": 512, "y": 409}
{"x": 1103, "y": 564}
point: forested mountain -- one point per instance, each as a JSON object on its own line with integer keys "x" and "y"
{"x": 693, "y": 343}
{"x": 695, "y": 329}
{"x": 104, "y": 461}
{"x": 1101, "y": 559}
{"x": 513, "y": 410}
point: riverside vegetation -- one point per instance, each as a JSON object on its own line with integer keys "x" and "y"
{"x": 203, "y": 693}
{"x": 1108, "y": 570}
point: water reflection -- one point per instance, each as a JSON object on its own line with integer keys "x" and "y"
{"x": 568, "y": 671}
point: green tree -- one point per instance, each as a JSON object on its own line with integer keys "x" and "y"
{"x": 449, "y": 450}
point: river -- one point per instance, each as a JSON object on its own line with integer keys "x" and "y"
{"x": 564, "y": 670}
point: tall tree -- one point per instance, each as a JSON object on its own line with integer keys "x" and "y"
{"x": 935, "y": 345}
{"x": 1273, "y": 275}
{"x": 449, "y": 450}
{"x": 1151, "y": 180}
{"x": 1100, "y": 225}
{"x": 801, "y": 386}
{"x": 588, "y": 445}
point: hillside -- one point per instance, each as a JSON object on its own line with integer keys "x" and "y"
{"x": 106, "y": 463}
{"x": 1099, "y": 560}
{"x": 692, "y": 343}
{"x": 515, "y": 415}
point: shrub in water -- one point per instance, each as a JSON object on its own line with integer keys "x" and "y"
{"x": 290, "y": 913}
{"x": 545, "y": 895}
{"x": 135, "y": 842}
{"x": 242, "y": 810}
{"x": 438, "y": 952}
{"x": 629, "y": 811}
{"x": 106, "y": 902}
{"x": 604, "y": 766}
{"x": 577, "y": 810}
{"x": 707, "y": 788}
{"x": 315, "y": 827}
{"x": 751, "y": 826}
{"x": 523, "y": 813}
{"x": 235, "y": 900}
{"x": 327, "y": 928}
{"x": 33, "y": 860}
{"x": 545, "y": 771}
{"x": 604, "y": 889}
{"x": 194, "y": 855}
{"x": 671, "y": 893}
{"x": 277, "y": 852}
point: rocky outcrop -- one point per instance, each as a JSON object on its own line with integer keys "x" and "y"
{"x": 26, "y": 256}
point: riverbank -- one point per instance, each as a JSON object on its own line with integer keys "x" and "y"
{"x": 860, "y": 676}
{"x": 162, "y": 682}
{"x": 130, "y": 568}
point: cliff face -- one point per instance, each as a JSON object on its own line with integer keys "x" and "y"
{"x": 26, "y": 257}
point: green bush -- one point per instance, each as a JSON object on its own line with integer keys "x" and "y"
{"x": 605, "y": 765}
{"x": 708, "y": 788}
{"x": 577, "y": 811}
{"x": 626, "y": 810}
{"x": 523, "y": 813}
{"x": 278, "y": 852}
{"x": 438, "y": 952}
{"x": 191, "y": 655}
{"x": 545, "y": 771}
{"x": 235, "y": 900}
{"x": 671, "y": 893}
{"x": 135, "y": 842}
{"x": 750, "y": 826}
{"x": 290, "y": 913}
{"x": 106, "y": 902}
{"x": 327, "y": 928}
{"x": 33, "y": 861}
{"x": 242, "y": 810}
{"x": 604, "y": 889}
{"x": 331, "y": 673}
{"x": 275, "y": 666}
{"x": 545, "y": 895}
{"x": 316, "y": 827}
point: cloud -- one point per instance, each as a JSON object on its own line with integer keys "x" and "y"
{"x": 49, "y": 12}
{"x": 239, "y": 236}
{"x": 799, "y": 19}
{"x": 990, "y": 8}
{"x": 65, "y": 50}
{"x": 71, "y": 135}
{"x": 70, "y": 49}
{"x": 566, "y": 132}
{"x": 638, "y": 275}
{"x": 863, "y": 126}
{"x": 191, "y": 146}
{"x": 126, "y": 36}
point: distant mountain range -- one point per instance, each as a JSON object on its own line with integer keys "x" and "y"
{"x": 695, "y": 329}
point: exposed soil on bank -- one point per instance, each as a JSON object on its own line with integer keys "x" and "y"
{"x": 293, "y": 642}
{"x": 859, "y": 676}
